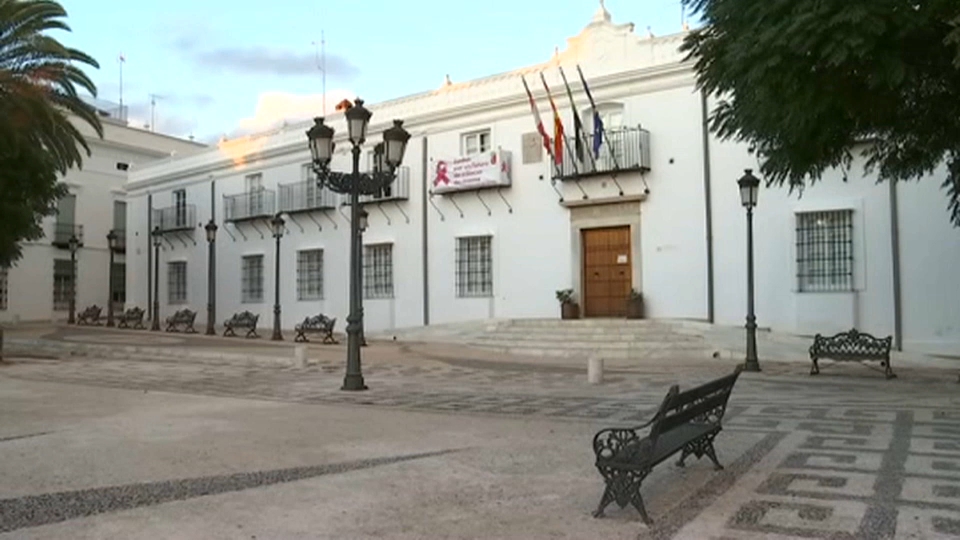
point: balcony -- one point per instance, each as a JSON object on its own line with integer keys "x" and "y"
{"x": 63, "y": 231}
{"x": 306, "y": 196}
{"x": 399, "y": 190}
{"x": 623, "y": 150}
{"x": 252, "y": 205}
{"x": 175, "y": 218}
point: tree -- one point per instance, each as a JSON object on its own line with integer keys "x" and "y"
{"x": 39, "y": 79}
{"x": 38, "y": 99}
{"x": 808, "y": 82}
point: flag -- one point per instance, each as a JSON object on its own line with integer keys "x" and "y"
{"x": 557, "y": 125}
{"x": 597, "y": 122}
{"x": 536, "y": 116}
{"x": 577, "y": 124}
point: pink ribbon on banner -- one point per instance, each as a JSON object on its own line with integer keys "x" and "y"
{"x": 441, "y": 174}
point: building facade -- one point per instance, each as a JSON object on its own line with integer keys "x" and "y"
{"x": 39, "y": 286}
{"x": 481, "y": 223}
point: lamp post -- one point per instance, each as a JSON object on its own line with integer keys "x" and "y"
{"x": 211, "y": 229}
{"x": 320, "y": 138}
{"x": 155, "y": 324}
{"x": 277, "y": 224}
{"x": 112, "y": 242}
{"x": 359, "y": 284}
{"x": 73, "y": 243}
{"x": 749, "y": 188}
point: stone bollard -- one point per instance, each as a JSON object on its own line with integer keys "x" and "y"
{"x": 300, "y": 355}
{"x": 595, "y": 370}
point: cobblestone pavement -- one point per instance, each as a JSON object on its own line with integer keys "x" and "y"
{"x": 844, "y": 455}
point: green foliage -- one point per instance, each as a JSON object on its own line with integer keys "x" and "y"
{"x": 565, "y": 296}
{"x": 39, "y": 78}
{"x": 808, "y": 82}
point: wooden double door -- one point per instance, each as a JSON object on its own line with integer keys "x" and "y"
{"x": 607, "y": 271}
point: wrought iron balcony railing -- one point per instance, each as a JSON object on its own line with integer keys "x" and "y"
{"x": 250, "y": 205}
{"x": 306, "y": 196}
{"x": 622, "y": 150}
{"x": 175, "y": 218}
{"x": 398, "y": 190}
{"x": 63, "y": 231}
{"x": 121, "y": 245}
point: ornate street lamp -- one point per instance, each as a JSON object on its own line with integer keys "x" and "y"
{"x": 749, "y": 189}
{"x": 74, "y": 244}
{"x": 277, "y": 224}
{"x": 320, "y": 138}
{"x": 155, "y": 324}
{"x": 363, "y": 227}
{"x": 211, "y": 229}
{"x": 113, "y": 241}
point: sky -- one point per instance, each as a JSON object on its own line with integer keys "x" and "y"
{"x": 229, "y": 67}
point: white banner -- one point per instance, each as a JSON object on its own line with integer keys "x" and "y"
{"x": 487, "y": 169}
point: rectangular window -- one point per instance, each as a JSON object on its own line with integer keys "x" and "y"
{"x": 3, "y": 288}
{"x": 251, "y": 278}
{"x": 177, "y": 282}
{"x": 62, "y": 284}
{"x": 254, "y": 185}
{"x": 825, "y": 251}
{"x": 475, "y": 143}
{"x": 310, "y": 274}
{"x": 474, "y": 266}
{"x": 180, "y": 208}
{"x": 378, "y": 271}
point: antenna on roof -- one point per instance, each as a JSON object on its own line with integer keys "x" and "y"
{"x": 153, "y": 111}
{"x": 122, "y": 59}
{"x": 321, "y": 59}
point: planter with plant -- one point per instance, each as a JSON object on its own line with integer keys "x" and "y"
{"x": 635, "y": 305}
{"x": 569, "y": 309}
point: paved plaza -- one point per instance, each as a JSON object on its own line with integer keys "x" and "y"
{"x": 455, "y": 443}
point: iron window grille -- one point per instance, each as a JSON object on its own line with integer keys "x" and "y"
{"x": 3, "y": 289}
{"x": 177, "y": 282}
{"x": 251, "y": 278}
{"x": 62, "y": 284}
{"x": 474, "y": 266}
{"x": 378, "y": 271}
{"x": 310, "y": 274}
{"x": 825, "y": 251}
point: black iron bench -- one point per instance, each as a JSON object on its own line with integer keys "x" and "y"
{"x": 133, "y": 316}
{"x": 318, "y": 324}
{"x": 244, "y": 319}
{"x": 686, "y": 422}
{"x": 852, "y": 346}
{"x": 182, "y": 319}
{"x": 91, "y": 315}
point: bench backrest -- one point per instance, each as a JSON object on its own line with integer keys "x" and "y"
{"x": 703, "y": 404}
{"x": 852, "y": 343}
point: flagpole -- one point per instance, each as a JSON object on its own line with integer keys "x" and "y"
{"x": 556, "y": 117}
{"x": 122, "y": 60}
{"x": 540, "y": 128}
{"x": 578, "y": 125}
{"x": 603, "y": 132}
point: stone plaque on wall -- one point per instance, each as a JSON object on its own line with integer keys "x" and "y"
{"x": 532, "y": 148}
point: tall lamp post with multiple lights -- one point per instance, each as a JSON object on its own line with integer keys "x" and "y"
{"x": 277, "y": 224}
{"x": 73, "y": 243}
{"x": 211, "y": 229}
{"x": 749, "y": 189}
{"x": 155, "y": 323}
{"x": 113, "y": 241}
{"x": 355, "y": 184}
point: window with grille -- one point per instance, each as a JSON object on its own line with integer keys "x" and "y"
{"x": 62, "y": 284}
{"x": 378, "y": 271}
{"x": 474, "y": 266}
{"x": 825, "y": 251}
{"x": 310, "y": 274}
{"x": 3, "y": 289}
{"x": 177, "y": 282}
{"x": 251, "y": 279}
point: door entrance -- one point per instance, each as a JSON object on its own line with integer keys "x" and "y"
{"x": 607, "y": 271}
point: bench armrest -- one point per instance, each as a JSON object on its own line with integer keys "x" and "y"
{"x": 609, "y": 443}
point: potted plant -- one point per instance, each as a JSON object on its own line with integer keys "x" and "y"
{"x": 569, "y": 309}
{"x": 635, "y": 305}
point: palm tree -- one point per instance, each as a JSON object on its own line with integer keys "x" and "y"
{"x": 39, "y": 78}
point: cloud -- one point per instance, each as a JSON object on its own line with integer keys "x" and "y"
{"x": 168, "y": 122}
{"x": 275, "y": 108}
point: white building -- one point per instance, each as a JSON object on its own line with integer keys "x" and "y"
{"x": 668, "y": 224}
{"x": 38, "y": 286}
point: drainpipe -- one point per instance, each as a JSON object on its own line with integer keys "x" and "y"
{"x": 895, "y": 253}
{"x": 150, "y": 276}
{"x": 425, "y": 250}
{"x": 708, "y": 204}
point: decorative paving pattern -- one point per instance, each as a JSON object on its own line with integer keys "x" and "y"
{"x": 120, "y": 339}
